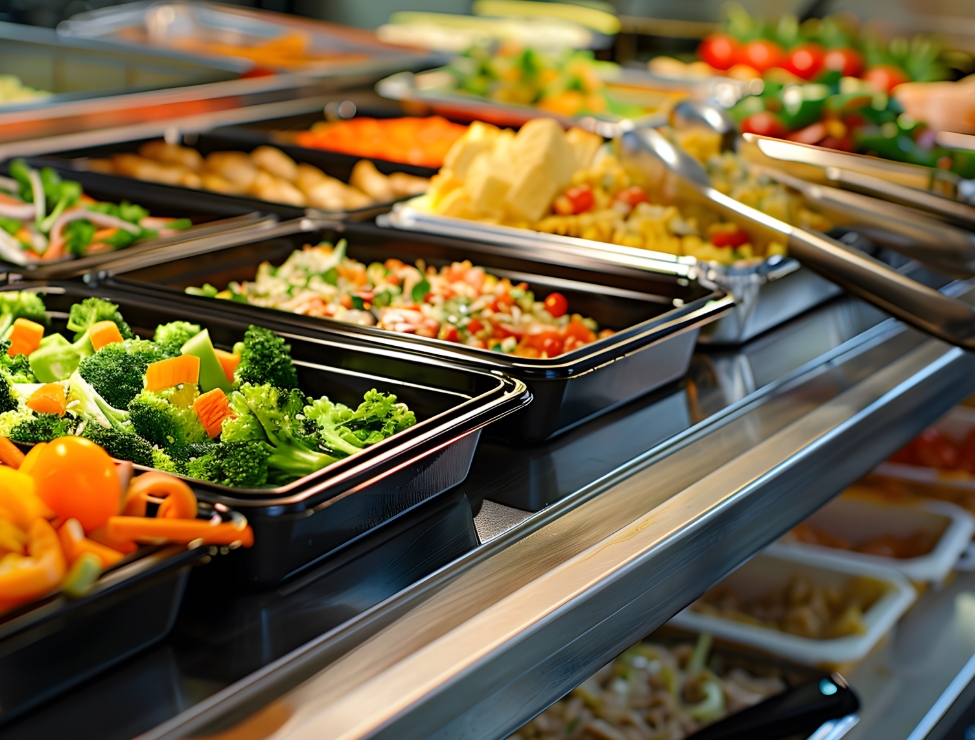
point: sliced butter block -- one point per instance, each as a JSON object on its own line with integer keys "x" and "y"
{"x": 585, "y": 144}
{"x": 542, "y": 163}
{"x": 478, "y": 138}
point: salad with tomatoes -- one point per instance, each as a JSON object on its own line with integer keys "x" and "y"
{"x": 44, "y": 218}
{"x": 830, "y": 83}
{"x": 458, "y": 303}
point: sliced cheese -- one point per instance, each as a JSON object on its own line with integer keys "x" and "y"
{"x": 542, "y": 163}
{"x": 479, "y": 137}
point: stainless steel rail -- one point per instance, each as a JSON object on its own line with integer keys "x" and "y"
{"x": 480, "y": 647}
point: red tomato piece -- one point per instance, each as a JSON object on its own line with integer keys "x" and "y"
{"x": 762, "y": 55}
{"x": 764, "y": 123}
{"x": 580, "y": 200}
{"x": 805, "y": 60}
{"x": 448, "y": 333}
{"x": 552, "y": 346}
{"x": 503, "y": 303}
{"x": 720, "y": 50}
{"x": 731, "y": 238}
{"x": 844, "y": 60}
{"x": 810, "y": 134}
{"x": 579, "y": 331}
{"x": 633, "y": 196}
{"x": 556, "y": 304}
{"x": 474, "y": 326}
{"x": 885, "y": 77}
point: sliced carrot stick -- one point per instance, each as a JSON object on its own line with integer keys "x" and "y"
{"x": 174, "y": 371}
{"x": 75, "y": 544}
{"x": 144, "y": 529}
{"x": 103, "y": 234}
{"x": 48, "y": 399}
{"x": 123, "y": 546}
{"x": 10, "y": 454}
{"x": 25, "y": 337}
{"x": 102, "y": 333}
{"x": 212, "y": 408}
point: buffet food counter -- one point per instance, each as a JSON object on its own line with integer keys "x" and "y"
{"x": 473, "y": 418}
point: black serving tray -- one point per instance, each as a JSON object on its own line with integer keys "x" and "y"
{"x": 657, "y": 315}
{"x": 211, "y": 216}
{"x": 304, "y": 521}
{"x": 52, "y": 645}
{"x": 233, "y": 139}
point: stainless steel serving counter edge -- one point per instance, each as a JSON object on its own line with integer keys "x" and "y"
{"x": 477, "y": 649}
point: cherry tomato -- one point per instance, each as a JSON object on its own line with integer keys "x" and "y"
{"x": 576, "y": 199}
{"x": 805, "y": 60}
{"x": 764, "y": 123}
{"x": 556, "y": 304}
{"x": 448, "y": 333}
{"x": 730, "y": 238}
{"x": 844, "y": 60}
{"x": 552, "y": 346}
{"x": 579, "y": 331}
{"x": 885, "y": 77}
{"x": 76, "y": 478}
{"x": 720, "y": 50}
{"x": 762, "y": 55}
{"x": 633, "y": 196}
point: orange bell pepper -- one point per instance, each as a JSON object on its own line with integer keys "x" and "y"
{"x": 26, "y": 578}
{"x": 143, "y": 529}
{"x": 27, "y": 464}
{"x": 18, "y": 502}
{"x": 178, "y": 499}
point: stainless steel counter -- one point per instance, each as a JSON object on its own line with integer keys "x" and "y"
{"x": 483, "y": 644}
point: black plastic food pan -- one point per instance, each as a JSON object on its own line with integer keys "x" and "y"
{"x": 331, "y": 163}
{"x": 302, "y": 522}
{"x": 211, "y": 216}
{"x": 657, "y": 316}
{"x": 52, "y": 645}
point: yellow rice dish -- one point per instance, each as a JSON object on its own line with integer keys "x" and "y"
{"x": 567, "y": 182}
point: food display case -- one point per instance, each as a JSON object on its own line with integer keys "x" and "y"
{"x": 623, "y": 512}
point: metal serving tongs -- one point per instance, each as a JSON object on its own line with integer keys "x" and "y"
{"x": 861, "y": 275}
{"x": 896, "y": 182}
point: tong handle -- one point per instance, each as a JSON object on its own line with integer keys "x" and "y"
{"x": 922, "y": 307}
{"x": 797, "y": 711}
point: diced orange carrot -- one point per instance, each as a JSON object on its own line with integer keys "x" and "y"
{"x": 25, "y": 337}
{"x": 174, "y": 371}
{"x": 10, "y": 454}
{"x": 102, "y": 333}
{"x": 75, "y": 544}
{"x": 48, "y": 399}
{"x": 229, "y": 362}
{"x": 212, "y": 408}
{"x": 23, "y": 235}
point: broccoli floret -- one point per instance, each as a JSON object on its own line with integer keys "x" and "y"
{"x": 162, "y": 461}
{"x": 12, "y": 418}
{"x": 8, "y": 396}
{"x": 265, "y": 358}
{"x": 21, "y": 305}
{"x": 117, "y": 371}
{"x": 294, "y": 453}
{"x": 42, "y": 428}
{"x": 172, "y": 336}
{"x": 237, "y": 464}
{"x": 164, "y": 418}
{"x": 85, "y": 403}
{"x": 91, "y": 311}
{"x": 342, "y": 431}
{"x": 17, "y": 369}
{"x": 120, "y": 444}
